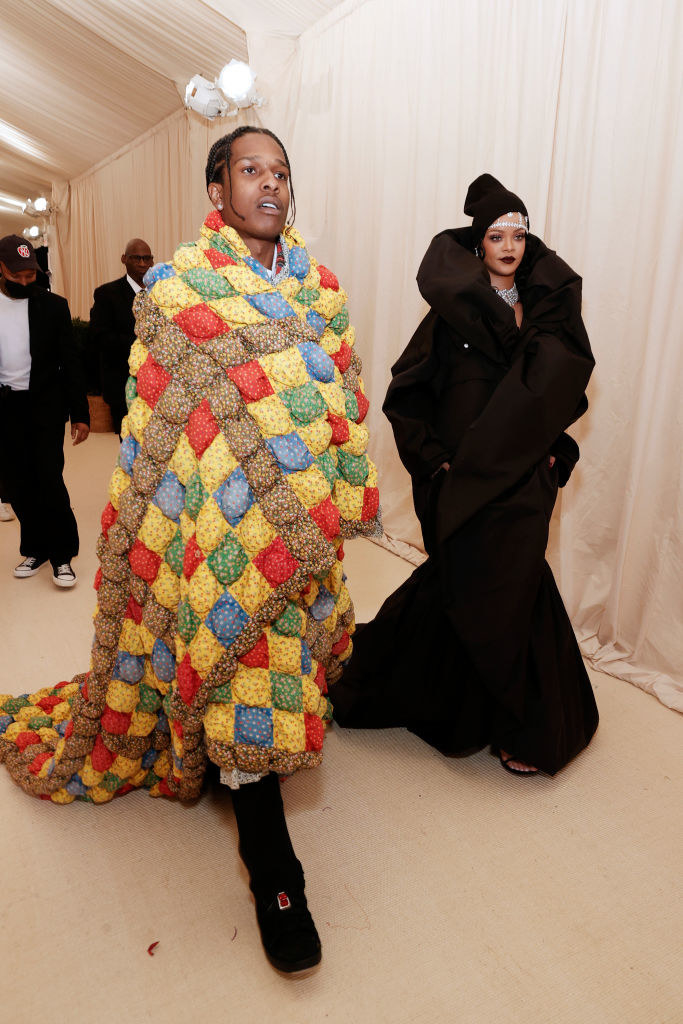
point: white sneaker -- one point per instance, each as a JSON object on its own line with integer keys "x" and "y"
{"x": 6, "y": 513}
{"x": 63, "y": 575}
{"x": 29, "y": 567}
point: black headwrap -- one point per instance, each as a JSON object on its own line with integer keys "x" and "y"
{"x": 486, "y": 201}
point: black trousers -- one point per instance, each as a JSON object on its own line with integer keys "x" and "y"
{"x": 31, "y": 467}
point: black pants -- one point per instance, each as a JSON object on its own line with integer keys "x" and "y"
{"x": 31, "y": 467}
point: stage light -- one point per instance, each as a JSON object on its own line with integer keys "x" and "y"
{"x": 236, "y": 81}
{"x": 203, "y": 97}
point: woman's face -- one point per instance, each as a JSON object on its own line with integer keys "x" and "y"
{"x": 503, "y": 249}
{"x": 260, "y": 188}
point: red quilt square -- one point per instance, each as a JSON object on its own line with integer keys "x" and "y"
{"x": 342, "y": 357}
{"x": 108, "y": 518}
{"x": 49, "y": 703}
{"x": 370, "y": 504}
{"x": 115, "y": 722}
{"x": 326, "y": 516}
{"x": 38, "y": 761}
{"x": 214, "y": 221}
{"x": 218, "y": 259}
{"x": 276, "y": 563}
{"x": 189, "y": 680}
{"x": 134, "y": 611}
{"x": 143, "y": 562}
{"x": 97, "y": 582}
{"x": 193, "y": 558}
{"x": 201, "y": 428}
{"x": 102, "y": 758}
{"x": 363, "y": 405}
{"x": 321, "y": 679}
{"x": 340, "y": 428}
{"x": 250, "y": 378}
{"x": 258, "y": 656}
{"x": 200, "y": 322}
{"x": 328, "y": 279}
{"x": 178, "y": 728}
{"x": 315, "y": 732}
{"x": 26, "y": 739}
{"x": 152, "y": 381}
{"x": 341, "y": 644}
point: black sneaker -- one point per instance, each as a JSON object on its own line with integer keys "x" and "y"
{"x": 63, "y": 575}
{"x": 29, "y": 567}
{"x": 288, "y": 934}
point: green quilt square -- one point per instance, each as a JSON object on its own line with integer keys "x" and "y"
{"x": 228, "y": 561}
{"x": 305, "y": 403}
{"x": 287, "y": 695}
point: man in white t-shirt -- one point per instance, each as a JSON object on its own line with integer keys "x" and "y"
{"x": 41, "y": 385}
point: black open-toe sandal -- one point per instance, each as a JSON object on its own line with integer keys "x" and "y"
{"x": 505, "y": 761}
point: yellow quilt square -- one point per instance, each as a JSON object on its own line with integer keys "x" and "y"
{"x": 272, "y": 416}
{"x": 311, "y": 594}
{"x": 89, "y": 776}
{"x": 285, "y": 369}
{"x": 137, "y": 356}
{"x": 150, "y": 679}
{"x": 205, "y": 650}
{"x": 61, "y": 796}
{"x": 166, "y": 587}
{"x": 217, "y": 463}
{"x": 142, "y": 723}
{"x": 285, "y": 654}
{"x": 334, "y": 396}
{"x": 139, "y": 416}
{"x": 236, "y": 310}
{"x": 245, "y": 280}
{"x": 162, "y": 765}
{"x": 316, "y": 435}
{"x": 289, "y": 732}
{"x": 183, "y": 461}
{"x": 251, "y": 686}
{"x": 124, "y": 767}
{"x": 188, "y": 256}
{"x": 344, "y": 600}
{"x": 171, "y": 291}
{"x": 147, "y": 639}
{"x": 330, "y": 303}
{"x": 204, "y": 590}
{"x": 130, "y": 639}
{"x": 348, "y": 499}
{"x": 156, "y": 531}
{"x": 358, "y": 438}
{"x": 187, "y": 526}
{"x": 313, "y": 699}
{"x": 119, "y": 483}
{"x": 122, "y": 696}
{"x": 49, "y": 736}
{"x": 211, "y": 526}
{"x": 255, "y": 532}
{"x": 219, "y": 723}
{"x": 371, "y": 479}
{"x": 310, "y": 485}
{"x": 330, "y": 622}
{"x": 252, "y": 589}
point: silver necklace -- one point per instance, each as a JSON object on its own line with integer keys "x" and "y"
{"x": 509, "y": 295}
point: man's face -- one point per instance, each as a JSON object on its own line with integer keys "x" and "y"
{"x": 260, "y": 188}
{"x": 23, "y": 277}
{"x": 137, "y": 259}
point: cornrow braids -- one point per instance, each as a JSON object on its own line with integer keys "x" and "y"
{"x": 219, "y": 159}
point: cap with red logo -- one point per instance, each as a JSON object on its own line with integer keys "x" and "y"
{"x": 17, "y": 254}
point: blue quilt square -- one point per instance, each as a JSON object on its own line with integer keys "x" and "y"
{"x": 316, "y": 321}
{"x": 227, "y": 619}
{"x": 234, "y": 497}
{"x": 129, "y": 667}
{"x": 272, "y": 305}
{"x": 254, "y": 726}
{"x": 170, "y": 496}
{"x": 128, "y": 453}
{"x": 299, "y": 262}
{"x": 318, "y": 363}
{"x": 290, "y": 452}
{"x": 163, "y": 662}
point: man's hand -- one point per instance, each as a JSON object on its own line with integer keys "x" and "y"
{"x": 79, "y": 432}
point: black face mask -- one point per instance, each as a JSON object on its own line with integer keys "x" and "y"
{"x": 16, "y": 290}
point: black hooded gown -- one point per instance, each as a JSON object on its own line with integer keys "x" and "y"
{"x": 476, "y": 646}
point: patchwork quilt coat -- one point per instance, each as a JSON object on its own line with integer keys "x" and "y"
{"x": 222, "y": 614}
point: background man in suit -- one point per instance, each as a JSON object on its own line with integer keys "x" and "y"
{"x": 41, "y": 386}
{"x": 112, "y": 325}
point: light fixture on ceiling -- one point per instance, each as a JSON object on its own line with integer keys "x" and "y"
{"x": 233, "y": 90}
{"x": 37, "y": 236}
{"x": 39, "y": 207}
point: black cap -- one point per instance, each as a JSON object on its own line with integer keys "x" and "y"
{"x": 17, "y": 254}
{"x": 486, "y": 200}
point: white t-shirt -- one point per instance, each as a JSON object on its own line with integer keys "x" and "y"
{"x": 15, "y": 350}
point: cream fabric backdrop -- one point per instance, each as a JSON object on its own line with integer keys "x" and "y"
{"x": 389, "y": 109}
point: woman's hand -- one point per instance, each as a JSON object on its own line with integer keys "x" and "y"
{"x": 79, "y": 432}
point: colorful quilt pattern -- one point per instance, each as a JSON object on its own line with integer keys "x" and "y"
{"x": 222, "y": 613}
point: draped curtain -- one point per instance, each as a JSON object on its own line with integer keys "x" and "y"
{"x": 389, "y": 109}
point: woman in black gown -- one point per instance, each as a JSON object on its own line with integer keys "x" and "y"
{"x": 476, "y": 646}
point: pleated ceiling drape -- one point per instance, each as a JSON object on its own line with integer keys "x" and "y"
{"x": 389, "y": 109}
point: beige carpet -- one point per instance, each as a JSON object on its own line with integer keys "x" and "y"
{"x": 444, "y": 890}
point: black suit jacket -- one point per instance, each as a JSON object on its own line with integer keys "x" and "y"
{"x": 112, "y": 332}
{"x": 57, "y": 381}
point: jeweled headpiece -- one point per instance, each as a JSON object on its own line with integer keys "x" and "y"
{"x": 511, "y": 220}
